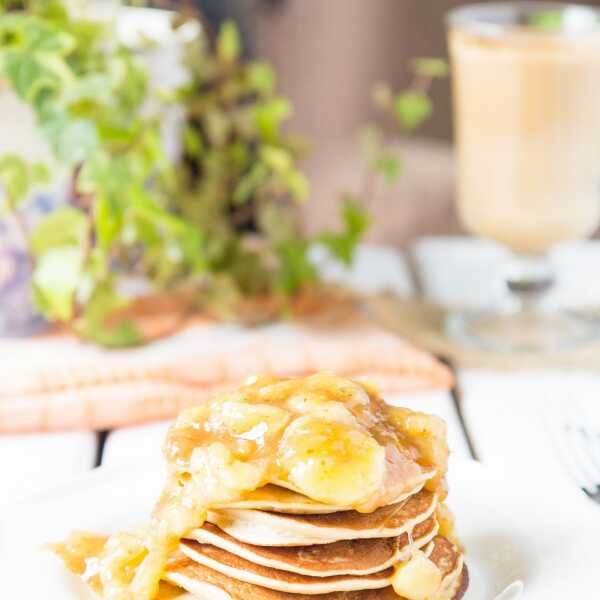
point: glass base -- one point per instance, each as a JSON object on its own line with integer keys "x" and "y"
{"x": 521, "y": 331}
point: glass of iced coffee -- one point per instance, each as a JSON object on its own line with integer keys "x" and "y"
{"x": 526, "y": 79}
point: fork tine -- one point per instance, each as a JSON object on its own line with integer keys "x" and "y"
{"x": 592, "y": 437}
{"x": 582, "y": 456}
{"x": 593, "y": 495}
{"x": 593, "y": 448}
{"x": 576, "y": 462}
{"x": 584, "y": 444}
{"x": 567, "y": 448}
{"x": 594, "y": 441}
{"x": 565, "y": 455}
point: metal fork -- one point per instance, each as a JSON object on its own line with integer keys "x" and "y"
{"x": 579, "y": 448}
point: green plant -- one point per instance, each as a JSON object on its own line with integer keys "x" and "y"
{"x": 218, "y": 226}
{"x": 87, "y": 102}
{"x": 239, "y": 180}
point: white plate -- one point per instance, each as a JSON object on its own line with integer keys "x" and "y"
{"x": 512, "y": 530}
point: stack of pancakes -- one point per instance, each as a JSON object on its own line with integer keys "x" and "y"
{"x": 280, "y": 544}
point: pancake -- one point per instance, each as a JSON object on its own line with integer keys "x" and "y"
{"x": 284, "y": 581}
{"x": 207, "y": 584}
{"x": 451, "y": 562}
{"x": 263, "y": 528}
{"x": 347, "y": 557}
{"x": 351, "y": 511}
{"x": 275, "y": 498}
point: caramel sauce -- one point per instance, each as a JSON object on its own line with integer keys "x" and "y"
{"x": 447, "y": 527}
{"x": 331, "y": 439}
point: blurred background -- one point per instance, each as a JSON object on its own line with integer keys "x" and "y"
{"x": 328, "y": 55}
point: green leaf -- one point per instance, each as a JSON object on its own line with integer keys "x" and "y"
{"x": 342, "y": 244}
{"x": 108, "y": 221}
{"x": 218, "y": 126}
{"x": 431, "y": 67}
{"x": 76, "y": 142}
{"x": 40, "y": 36}
{"x": 104, "y": 175}
{"x": 355, "y": 217}
{"x": 270, "y": 115}
{"x": 95, "y": 324}
{"x": 142, "y": 205}
{"x": 17, "y": 177}
{"x": 239, "y": 154}
{"x": 14, "y": 179}
{"x": 277, "y": 223}
{"x": 191, "y": 244}
{"x": 33, "y": 59}
{"x": 281, "y": 162}
{"x": 298, "y": 184}
{"x": 249, "y": 184}
{"x": 129, "y": 82}
{"x": 412, "y": 108}
{"x": 276, "y": 158}
{"x": 261, "y": 77}
{"x": 192, "y": 142}
{"x": 229, "y": 44}
{"x": 55, "y": 278}
{"x": 123, "y": 334}
{"x": 111, "y": 181}
{"x": 295, "y": 269}
{"x": 39, "y": 173}
{"x": 95, "y": 88}
{"x": 72, "y": 140}
{"x": 387, "y": 165}
{"x": 148, "y": 156}
{"x": 27, "y": 75}
{"x": 65, "y": 226}
{"x": 551, "y": 20}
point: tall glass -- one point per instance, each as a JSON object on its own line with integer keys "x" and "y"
{"x": 526, "y": 79}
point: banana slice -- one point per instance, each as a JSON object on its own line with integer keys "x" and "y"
{"x": 417, "y": 579}
{"x": 331, "y": 462}
{"x": 250, "y": 422}
{"x": 218, "y": 475}
{"x": 428, "y": 434}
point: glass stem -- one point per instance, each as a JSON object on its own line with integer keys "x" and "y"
{"x": 529, "y": 278}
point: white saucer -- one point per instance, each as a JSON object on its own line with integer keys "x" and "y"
{"x": 511, "y": 529}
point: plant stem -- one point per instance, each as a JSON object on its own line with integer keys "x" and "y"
{"x": 21, "y": 227}
{"x": 422, "y": 84}
{"x": 367, "y": 188}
